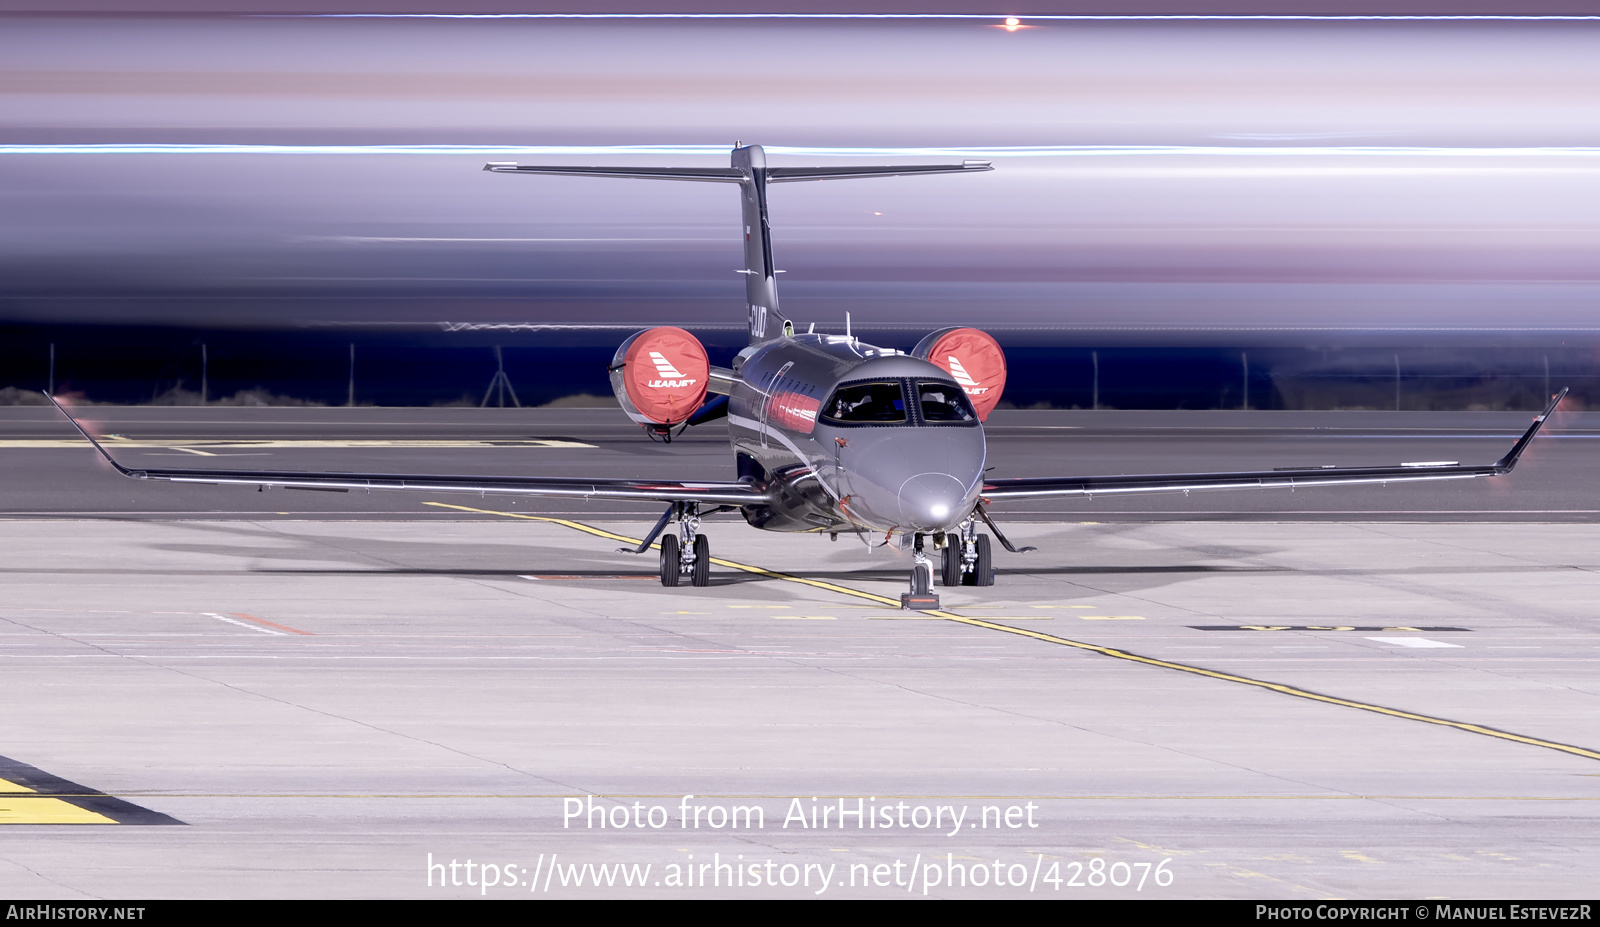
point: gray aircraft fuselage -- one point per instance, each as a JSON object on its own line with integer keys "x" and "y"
{"x": 920, "y": 473}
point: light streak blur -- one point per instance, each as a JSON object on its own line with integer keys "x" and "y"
{"x": 1165, "y": 174}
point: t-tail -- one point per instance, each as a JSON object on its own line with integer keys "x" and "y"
{"x": 749, "y": 170}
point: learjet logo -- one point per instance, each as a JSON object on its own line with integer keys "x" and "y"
{"x": 965, "y": 379}
{"x": 671, "y": 376}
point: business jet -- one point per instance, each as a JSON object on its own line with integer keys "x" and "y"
{"x": 829, "y": 434}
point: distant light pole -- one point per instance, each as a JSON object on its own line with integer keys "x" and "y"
{"x": 1245, "y": 359}
{"x": 350, "y": 400}
{"x": 1095, "y": 356}
{"x": 1397, "y": 383}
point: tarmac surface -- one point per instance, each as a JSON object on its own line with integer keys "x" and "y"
{"x": 1381, "y": 694}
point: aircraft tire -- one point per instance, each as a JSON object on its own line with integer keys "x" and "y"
{"x": 670, "y": 572}
{"x": 983, "y": 575}
{"x": 950, "y": 572}
{"x": 702, "y": 561}
{"x": 921, "y": 579}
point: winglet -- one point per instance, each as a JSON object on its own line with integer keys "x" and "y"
{"x": 1505, "y": 464}
{"x": 90, "y": 438}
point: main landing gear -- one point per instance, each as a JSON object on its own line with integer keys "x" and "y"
{"x": 967, "y": 557}
{"x": 686, "y": 554}
{"x": 685, "y": 558}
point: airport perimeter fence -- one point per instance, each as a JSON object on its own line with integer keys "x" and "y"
{"x": 163, "y": 366}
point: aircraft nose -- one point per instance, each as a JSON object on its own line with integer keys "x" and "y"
{"x": 931, "y": 501}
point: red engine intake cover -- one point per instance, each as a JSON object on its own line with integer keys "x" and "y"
{"x": 974, "y": 359}
{"x": 666, "y": 373}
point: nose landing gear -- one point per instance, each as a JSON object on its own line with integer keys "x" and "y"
{"x": 921, "y": 596}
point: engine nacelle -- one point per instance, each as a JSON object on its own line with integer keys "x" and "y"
{"x": 660, "y": 376}
{"x": 973, "y": 358}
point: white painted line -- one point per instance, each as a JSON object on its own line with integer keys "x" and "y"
{"x": 244, "y": 625}
{"x": 1411, "y": 642}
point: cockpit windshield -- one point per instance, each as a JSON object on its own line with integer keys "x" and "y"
{"x": 880, "y": 403}
{"x": 944, "y": 403}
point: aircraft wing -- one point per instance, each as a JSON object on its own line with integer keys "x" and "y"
{"x": 720, "y": 493}
{"x": 1284, "y": 478}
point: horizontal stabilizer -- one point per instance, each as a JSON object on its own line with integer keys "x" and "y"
{"x": 712, "y": 174}
{"x": 786, "y": 174}
{"x": 735, "y": 175}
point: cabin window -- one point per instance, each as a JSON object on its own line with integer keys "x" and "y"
{"x": 944, "y": 403}
{"x": 867, "y": 404}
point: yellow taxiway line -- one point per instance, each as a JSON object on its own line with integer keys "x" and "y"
{"x": 1081, "y": 645}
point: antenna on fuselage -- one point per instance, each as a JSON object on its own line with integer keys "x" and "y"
{"x": 847, "y": 327}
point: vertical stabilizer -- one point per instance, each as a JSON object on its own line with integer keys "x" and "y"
{"x": 760, "y": 280}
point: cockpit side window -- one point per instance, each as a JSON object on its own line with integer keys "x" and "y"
{"x": 944, "y": 403}
{"x": 881, "y": 403}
